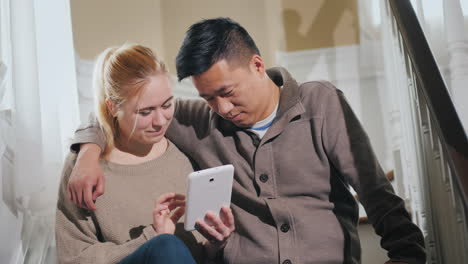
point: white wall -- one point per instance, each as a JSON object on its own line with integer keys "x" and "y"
{"x": 100, "y": 24}
{"x": 161, "y": 25}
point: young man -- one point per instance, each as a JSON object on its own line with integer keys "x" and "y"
{"x": 295, "y": 149}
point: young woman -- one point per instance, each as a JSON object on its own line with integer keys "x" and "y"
{"x": 145, "y": 173}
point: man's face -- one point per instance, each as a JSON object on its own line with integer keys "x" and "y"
{"x": 233, "y": 92}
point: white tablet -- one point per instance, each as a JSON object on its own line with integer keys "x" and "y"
{"x": 207, "y": 190}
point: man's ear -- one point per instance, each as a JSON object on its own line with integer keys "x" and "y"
{"x": 111, "y": 107}
{"x": 258, "y": 64}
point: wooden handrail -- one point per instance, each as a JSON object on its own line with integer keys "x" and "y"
{"x": 433, "y": 89}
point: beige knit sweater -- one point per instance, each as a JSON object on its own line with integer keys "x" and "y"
{"x": 122, "y": 221}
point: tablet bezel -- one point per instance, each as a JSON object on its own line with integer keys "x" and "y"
{"x": 207, "y": 190}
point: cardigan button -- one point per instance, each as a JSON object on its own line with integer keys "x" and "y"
{"x": 287, "y": 261}
{"x": 285, "y": 228}
{"x": 263, "y": 178}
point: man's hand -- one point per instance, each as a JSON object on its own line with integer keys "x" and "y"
{"x": 216, "y": 229}
{"x": 169, "y": 208}
{"x": 86, "y": 181}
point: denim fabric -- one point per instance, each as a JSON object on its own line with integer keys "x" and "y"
{"x": 162, "y": 249}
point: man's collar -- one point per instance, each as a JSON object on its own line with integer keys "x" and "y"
{"x": 290, "y": 94}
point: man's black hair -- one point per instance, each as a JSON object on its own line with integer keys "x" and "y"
{"x": 210, "y": 41}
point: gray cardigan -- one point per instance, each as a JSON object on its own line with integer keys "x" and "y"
{"x": 290, "y": 198}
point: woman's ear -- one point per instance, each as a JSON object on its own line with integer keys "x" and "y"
{"x": 111, "y": 107}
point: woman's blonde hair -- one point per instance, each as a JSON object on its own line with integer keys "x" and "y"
{"x": 119, "y": 74}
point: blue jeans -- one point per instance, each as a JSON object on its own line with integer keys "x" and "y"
{"x": 162, "y": 249}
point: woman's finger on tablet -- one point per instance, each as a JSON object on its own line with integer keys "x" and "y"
{"x": 175, "y": 203}
{"x": 179, "y": 196}
{"x": 166, "y": 197}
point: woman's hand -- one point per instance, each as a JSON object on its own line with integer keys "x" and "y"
{"x": 217, "y": 230}
{"x": 169, "y": 208}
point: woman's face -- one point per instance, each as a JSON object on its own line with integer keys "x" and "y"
{"x": 144, "y": 118}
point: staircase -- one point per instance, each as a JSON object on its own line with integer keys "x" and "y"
{"x": 433, "y": 155}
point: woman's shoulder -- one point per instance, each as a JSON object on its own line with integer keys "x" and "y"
{"x": 177, "y": 157}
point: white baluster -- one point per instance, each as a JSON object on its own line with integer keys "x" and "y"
{"x": 457, "y": 42}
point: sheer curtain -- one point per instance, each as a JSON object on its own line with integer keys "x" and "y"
{"x": 43, "y": 113}
{"x": 10, "y": 223}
